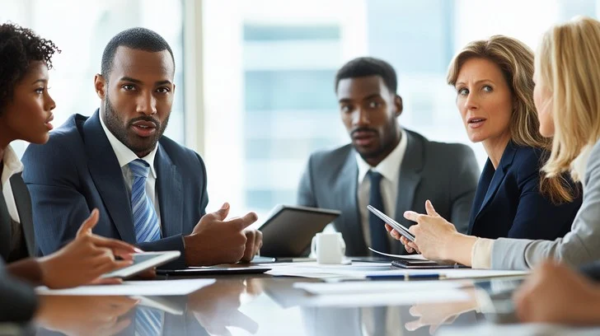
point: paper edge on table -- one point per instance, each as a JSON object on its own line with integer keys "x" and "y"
{"x": 399, "y": 256}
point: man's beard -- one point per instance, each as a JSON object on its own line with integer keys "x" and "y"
{"x": 115, "y": 123}
{"x": 387, "y": 143}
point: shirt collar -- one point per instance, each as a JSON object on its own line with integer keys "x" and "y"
{"x": 389, "y": 167}
{"x": 126, "y": 155}
{"x": 12, "y": 164}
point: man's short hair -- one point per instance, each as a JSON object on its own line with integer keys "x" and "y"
{"x": 368, "y": 66}
{"x": 134, "y": 38}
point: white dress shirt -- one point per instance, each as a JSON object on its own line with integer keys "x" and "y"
{"x": 389, "y": 168}
{"x": 12, "y": 165}
{"x": 125, "y": 156}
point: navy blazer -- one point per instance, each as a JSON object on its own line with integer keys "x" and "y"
{"x": 508, "y": 201}
{"x": 77, "y": 171}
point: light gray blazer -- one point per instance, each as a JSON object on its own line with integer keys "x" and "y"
{"x": 581, "y": 245}
{"x": 447, "y": 174}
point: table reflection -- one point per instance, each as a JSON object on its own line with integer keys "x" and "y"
{"x": 211, "y": 310}
{"x": 216, "y": 307}
{"x": 257, "y": 305}
{"x": 433, "y": 315}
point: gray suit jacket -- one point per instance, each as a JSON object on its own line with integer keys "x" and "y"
{"x": 581, "y": 245}
{"x": 446, "y": 174}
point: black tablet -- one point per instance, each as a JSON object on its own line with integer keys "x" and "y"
{"x": 288, "y": 230}
{"x": 423, "y": 264}
{"x": 213, "y": 270}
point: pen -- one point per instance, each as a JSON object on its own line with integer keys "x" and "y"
{"x": 407, "y": 277}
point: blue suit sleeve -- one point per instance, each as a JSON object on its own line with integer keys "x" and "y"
{"x": 59, "y": 208}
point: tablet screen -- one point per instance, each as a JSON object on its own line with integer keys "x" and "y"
{"x": 397, "y": 226}
{"x": 288, "y": 231}
{"x": 142, "y": 262}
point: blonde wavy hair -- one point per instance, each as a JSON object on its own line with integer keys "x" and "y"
{"x": 516, "y": 61}
{"x": 569, "y": 65}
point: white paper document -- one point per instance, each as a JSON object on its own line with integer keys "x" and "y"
{"x": 131, "y": 288}
{"x": 363, "y": 287}
{"x": 362, "y": 270}
{"x": 490, "y": 329}
{"x": 456, "y": 274}
{"x": 316, "y": 271}
{"x": 379, "y": 299}
{"x": 402, "y": 256}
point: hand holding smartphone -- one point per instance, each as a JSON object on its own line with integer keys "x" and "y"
{"x": 397, "y": 226}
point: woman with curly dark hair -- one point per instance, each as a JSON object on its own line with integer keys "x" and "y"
{"x": 26, "y": 114}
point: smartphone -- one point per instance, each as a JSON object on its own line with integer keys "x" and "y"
{"x": 397, "y": 226}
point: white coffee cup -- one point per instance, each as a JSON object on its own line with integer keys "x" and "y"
{"x": 329, "y": 248}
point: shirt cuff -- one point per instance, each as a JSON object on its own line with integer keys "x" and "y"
{"x": 481, "y": 254}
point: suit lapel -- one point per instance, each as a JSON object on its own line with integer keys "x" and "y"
{"x": 499, "y": 174}
{"x": 348, "y": 187}
{"x": 108, "y": 177}
{"x": 482, "y": 186}
{"x": 5, "y": 228}
{"x": 409, "y": 178}
{"x": 169, "y": 189}
{"x": 23, "y": 202}
{"x": 408, "y": 181}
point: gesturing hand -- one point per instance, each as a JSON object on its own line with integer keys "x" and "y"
{"x": 85, "y": 259}
{"x": 432, "y": 234}
{"x": 216, "y": 240}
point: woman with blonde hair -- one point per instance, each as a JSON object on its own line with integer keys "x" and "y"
{"x": 567, "y": 98}
{"x": 494, "y": 84}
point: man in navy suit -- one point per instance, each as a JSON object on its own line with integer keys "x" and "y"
{"x": 150, "y": 190}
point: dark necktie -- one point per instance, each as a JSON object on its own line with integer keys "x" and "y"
{"x": 379, "y": 239}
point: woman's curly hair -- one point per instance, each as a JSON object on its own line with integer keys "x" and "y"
{"x": 18, "y": 47}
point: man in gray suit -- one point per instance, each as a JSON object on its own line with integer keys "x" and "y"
{"x": 391, "y": 168}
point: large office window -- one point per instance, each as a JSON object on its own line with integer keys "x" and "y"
{"x": 81, "y": 29}
{"x": 267, "y": 67}
{"x": 288, "y": 106}
{"x": 269, "y": 70}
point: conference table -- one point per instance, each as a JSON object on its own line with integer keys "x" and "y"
{"x": 267, "y": 305}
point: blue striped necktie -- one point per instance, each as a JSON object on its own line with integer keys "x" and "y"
{"x": 148, "y": 321}
{"x": 145, "y": 220}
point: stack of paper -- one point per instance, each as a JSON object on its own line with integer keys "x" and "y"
{"x": 365, "y": 287}
{"x": 363, "y": 270}
{"x": 518, "y": 330}
{"x": 377, "y": 293}
{"x": 130, "y": 288}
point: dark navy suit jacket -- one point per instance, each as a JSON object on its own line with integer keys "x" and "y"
{"x": 77, "y": 171}
{"x": 508, "y": 201}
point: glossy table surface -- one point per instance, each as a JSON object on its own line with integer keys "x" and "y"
{"x": 245, "y": 305}
{"x": 265, "y": 305}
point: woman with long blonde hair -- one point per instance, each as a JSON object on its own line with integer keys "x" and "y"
{"x": 493, "y": 80}
{"x": 567, "y": 98}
